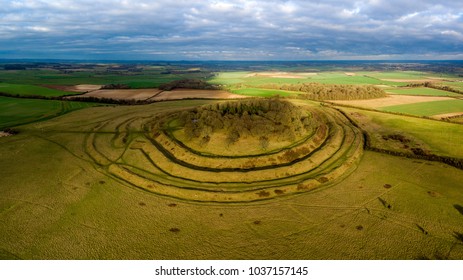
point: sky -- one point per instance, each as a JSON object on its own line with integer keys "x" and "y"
{"x": 231, "y": 30}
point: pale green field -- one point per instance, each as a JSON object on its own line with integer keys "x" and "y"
{"x": 423, "y": 91}
{"x": 28, "y": 90}
{"x": 17, "y": 111}
{"x": 70, "y": 208}
{"x": 427, "y": 108}
{"x": 248, "y": 78}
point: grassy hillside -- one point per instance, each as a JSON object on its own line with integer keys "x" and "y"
{"x": 17, "y": 111}
{"x": 440, "y": 138}
{"x": 427, "y": 108}
{"x": 70, "y": 208}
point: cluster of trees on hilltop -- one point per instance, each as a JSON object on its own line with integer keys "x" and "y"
{"x": 260, "y": 118}
{"x": 188, "y": 83}
{"x": 318, "y": 91}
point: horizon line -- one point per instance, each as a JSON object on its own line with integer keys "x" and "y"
{"x": 220, "y": 60}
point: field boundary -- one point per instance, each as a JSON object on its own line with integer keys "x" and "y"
{"x": 333, "y": 104}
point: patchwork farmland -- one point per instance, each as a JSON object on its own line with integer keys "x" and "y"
{"x": 234, "y": 171}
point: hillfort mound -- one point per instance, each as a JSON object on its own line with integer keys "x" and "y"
{"x": 238, "y": 151}
{"x": 257, "y": 123}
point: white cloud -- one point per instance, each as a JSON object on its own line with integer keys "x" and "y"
{"x": 453, "y": 33}
{"x": 38, "y": 28}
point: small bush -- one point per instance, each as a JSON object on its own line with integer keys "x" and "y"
{"x": 174, "y": 230}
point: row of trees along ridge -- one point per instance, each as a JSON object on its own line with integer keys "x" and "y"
{"x": 318, "y": 91}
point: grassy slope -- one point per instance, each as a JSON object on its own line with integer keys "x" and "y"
{"x": 427, "y": 108}
{"x": 68, "y": 208}
{"x": 16, "y": 111}
{"x": 441, "y": 138}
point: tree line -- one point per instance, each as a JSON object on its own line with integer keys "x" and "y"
{"x": 188, "y": 83}
{"x": 318, "y": 91}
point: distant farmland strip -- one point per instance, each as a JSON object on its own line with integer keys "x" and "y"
{"x": 427, "y": 108}
{"x": 30, "y": 90}
{"x": 262, "y": 92}
{"x": 422, "y": 91}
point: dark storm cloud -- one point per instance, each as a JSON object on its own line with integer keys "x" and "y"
{"x": 238, "y": 29}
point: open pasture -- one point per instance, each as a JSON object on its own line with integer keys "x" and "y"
{"x": 427, "y": 108}
{"x": 17, "y": 111}
{"x": 437, "y": 137}
{"x": 261, "y": 78}
{"x": 99, "y": 74}
{"x": 31, "y": 90}
{"x": 423, "y": 91}
{"x": 387, "y": 208}
{"x": 408, "y": 76}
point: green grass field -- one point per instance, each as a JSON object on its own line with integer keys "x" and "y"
{"x": 401, "y": 75}
{"x": 146, "y": 79}
{"x": 423, "y": 91}
{"x": 17, "y": 111}
{"x": 28, "y": 90}
{"x": 230, "y": 78}
{"x": 428, "y": 108}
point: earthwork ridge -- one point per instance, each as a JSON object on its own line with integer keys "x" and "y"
{"x": 143, "y": 151}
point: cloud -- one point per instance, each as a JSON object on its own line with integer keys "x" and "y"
{"x": 233, "y": 29}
